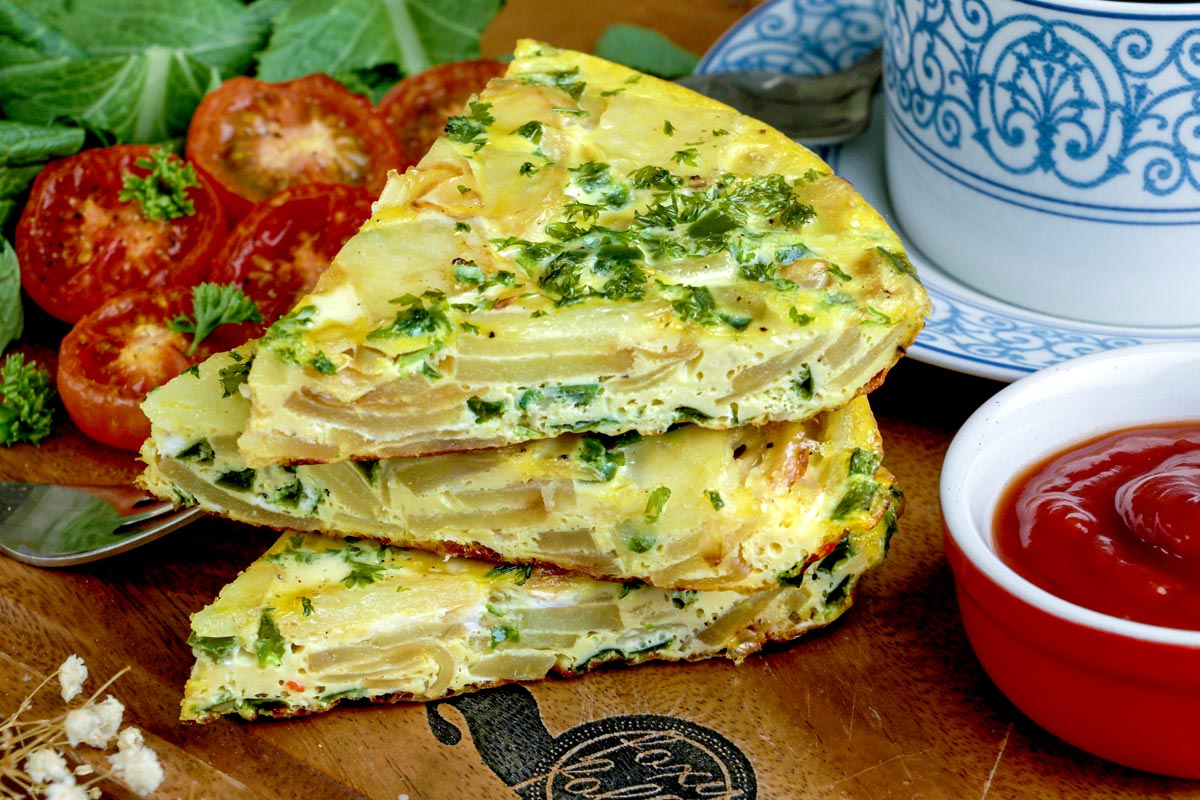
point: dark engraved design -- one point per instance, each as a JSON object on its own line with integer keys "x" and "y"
{"x": 639, "y": 756}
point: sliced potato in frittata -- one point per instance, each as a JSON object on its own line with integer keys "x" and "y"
{"x": 694, "y": 508}
{"x": 319, "y": 620}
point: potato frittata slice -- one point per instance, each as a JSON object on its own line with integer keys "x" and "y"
{"x": 586, "y": 249}
{"x": 319, "y": 620}
{"x": 744, "y": 509}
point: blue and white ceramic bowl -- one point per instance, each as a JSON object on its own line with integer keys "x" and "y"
{"x": 1047, "y": 152}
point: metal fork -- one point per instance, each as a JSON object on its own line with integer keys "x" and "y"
{"x": 50, "y": 525}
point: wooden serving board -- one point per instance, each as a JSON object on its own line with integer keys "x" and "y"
{"x": 888, "y": 702}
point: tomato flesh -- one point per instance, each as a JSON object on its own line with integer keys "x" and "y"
{"x": 112, "y": 357}
{"x": 255, "y": 138}
{"x": 1112, "y": 525}
{"x": 418, "y": 107}
{"x": 277, "y": 252}
{"x": 79, "y": 244}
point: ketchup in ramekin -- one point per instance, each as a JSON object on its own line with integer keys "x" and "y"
{"x": 1112, "y": 525}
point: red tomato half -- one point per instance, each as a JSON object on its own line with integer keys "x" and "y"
{"x": 417, "y": 107}
{"x": 79, "y": 245}
{"x": 276, "y": 253}
{"x": 115, "y": 355}
{"x": 255, "y": 138}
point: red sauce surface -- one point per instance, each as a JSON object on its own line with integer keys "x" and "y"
{"x": 1112, "y": 525}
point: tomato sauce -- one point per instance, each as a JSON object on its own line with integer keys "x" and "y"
{"x": 1112, "y": 525}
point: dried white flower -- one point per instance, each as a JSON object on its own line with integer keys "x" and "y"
{"x": 136, "y": 764}
{"x": 71, "y": 676}
{"x": 45, "y": 765}
{"x": 65, "y": 791}
{"x": 94, "y": 724}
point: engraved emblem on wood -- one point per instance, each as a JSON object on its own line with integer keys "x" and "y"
{"x": 642, "y": 756}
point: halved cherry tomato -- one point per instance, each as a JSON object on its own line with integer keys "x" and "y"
{"x": 417, "y": 107}
{"x": 276, "y": 253}
{"x": 119, "y": 352}
{"x": 78, "y": 244}
{"x": 255, "y": 138}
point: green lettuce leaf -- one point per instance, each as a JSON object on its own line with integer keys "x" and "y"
{"x": 22, "y": 143}
{"x": 645, "y": 50}
{"x": 12, "y": 318}
{"x": 142, "y": 97}
{"x": 345, "y": 36}
{"x": 222, "y": 34}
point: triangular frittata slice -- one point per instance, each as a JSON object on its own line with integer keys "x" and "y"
{"x": 319, "y": 620}
{"x": 586, "y": 248}
{"x": 743, "y": 509}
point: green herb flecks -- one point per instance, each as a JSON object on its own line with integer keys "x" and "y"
{"x": 531, "y": 130}
{"x": 636, "y": 536}
{"x": 600, "y": 461}
{"x": 27, "y": 412}
{"x": 239, "y": 480}
{"x": 306, "y": 606}
{"x": 565, "y": 79}
{"x": 269, "y": 645}
{"x": 285, "y": 337}
{"x": 714, "y": 497}
{"x": 216, "y": 648}
{"x": 214, "y": 305}
{"x": 504, "y": 633}
{"x": 696, "y": 304}
{"x": 471, "y": 128}
{"x": 682, "y": 598}
{"x": 802, "y": 384}
{"x": 898, "y": 262}
{"x": 577, "y": 395}
{"x": 519, "y": 572}
{"x": 597, "y": 181}
{"x": 485, "y": 410}
{"x": 655, "y": 503}
{"x": 233, "y": 376}
{"x": 366, "y": 566}
{"x": 415, "y": 318}
{"x": 198, "y": 452}
{"x": 162, "y": 193}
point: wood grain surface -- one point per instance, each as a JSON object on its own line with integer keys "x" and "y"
{"x": 889, "y": 702}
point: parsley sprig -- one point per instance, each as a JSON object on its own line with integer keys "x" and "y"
{"x": 214, "y": 305}
{"x": 162, "y": 193}
{"x": 26, "y": 413}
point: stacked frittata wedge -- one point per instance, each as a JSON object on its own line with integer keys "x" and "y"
{"x": 589, "y": 386}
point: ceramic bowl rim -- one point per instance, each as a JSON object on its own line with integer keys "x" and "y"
{"x": 983, "y": 427}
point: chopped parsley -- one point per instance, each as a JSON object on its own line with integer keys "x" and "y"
{"x": 471, "y": 128}
{"x": 485, "y": 410}
{"x": 714, "y": 497}
{"x": 600, "y": 461}
{"x": 565, "y": 79}
{"x": 162, "y": 193}
{"x": 214, "y": 305}
{"x": 656, "y": 502}
{"x": 27, "y": 412}
{"x": 233, "y": 376}
{"x": 520, "y": 572}
{"x": 531, "y": 130}
{"x": 504, "y": 633}
{"x": 686, "y": 156}
{"x": 217, "y": 648}
{"x": 415, "y": 318}
{"x": 269, "y": 645}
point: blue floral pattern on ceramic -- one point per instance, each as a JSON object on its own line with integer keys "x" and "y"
{"x": 967, "y": 331}
{"x": 1113, "y": 104}
{"x": 799, "y": 37}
